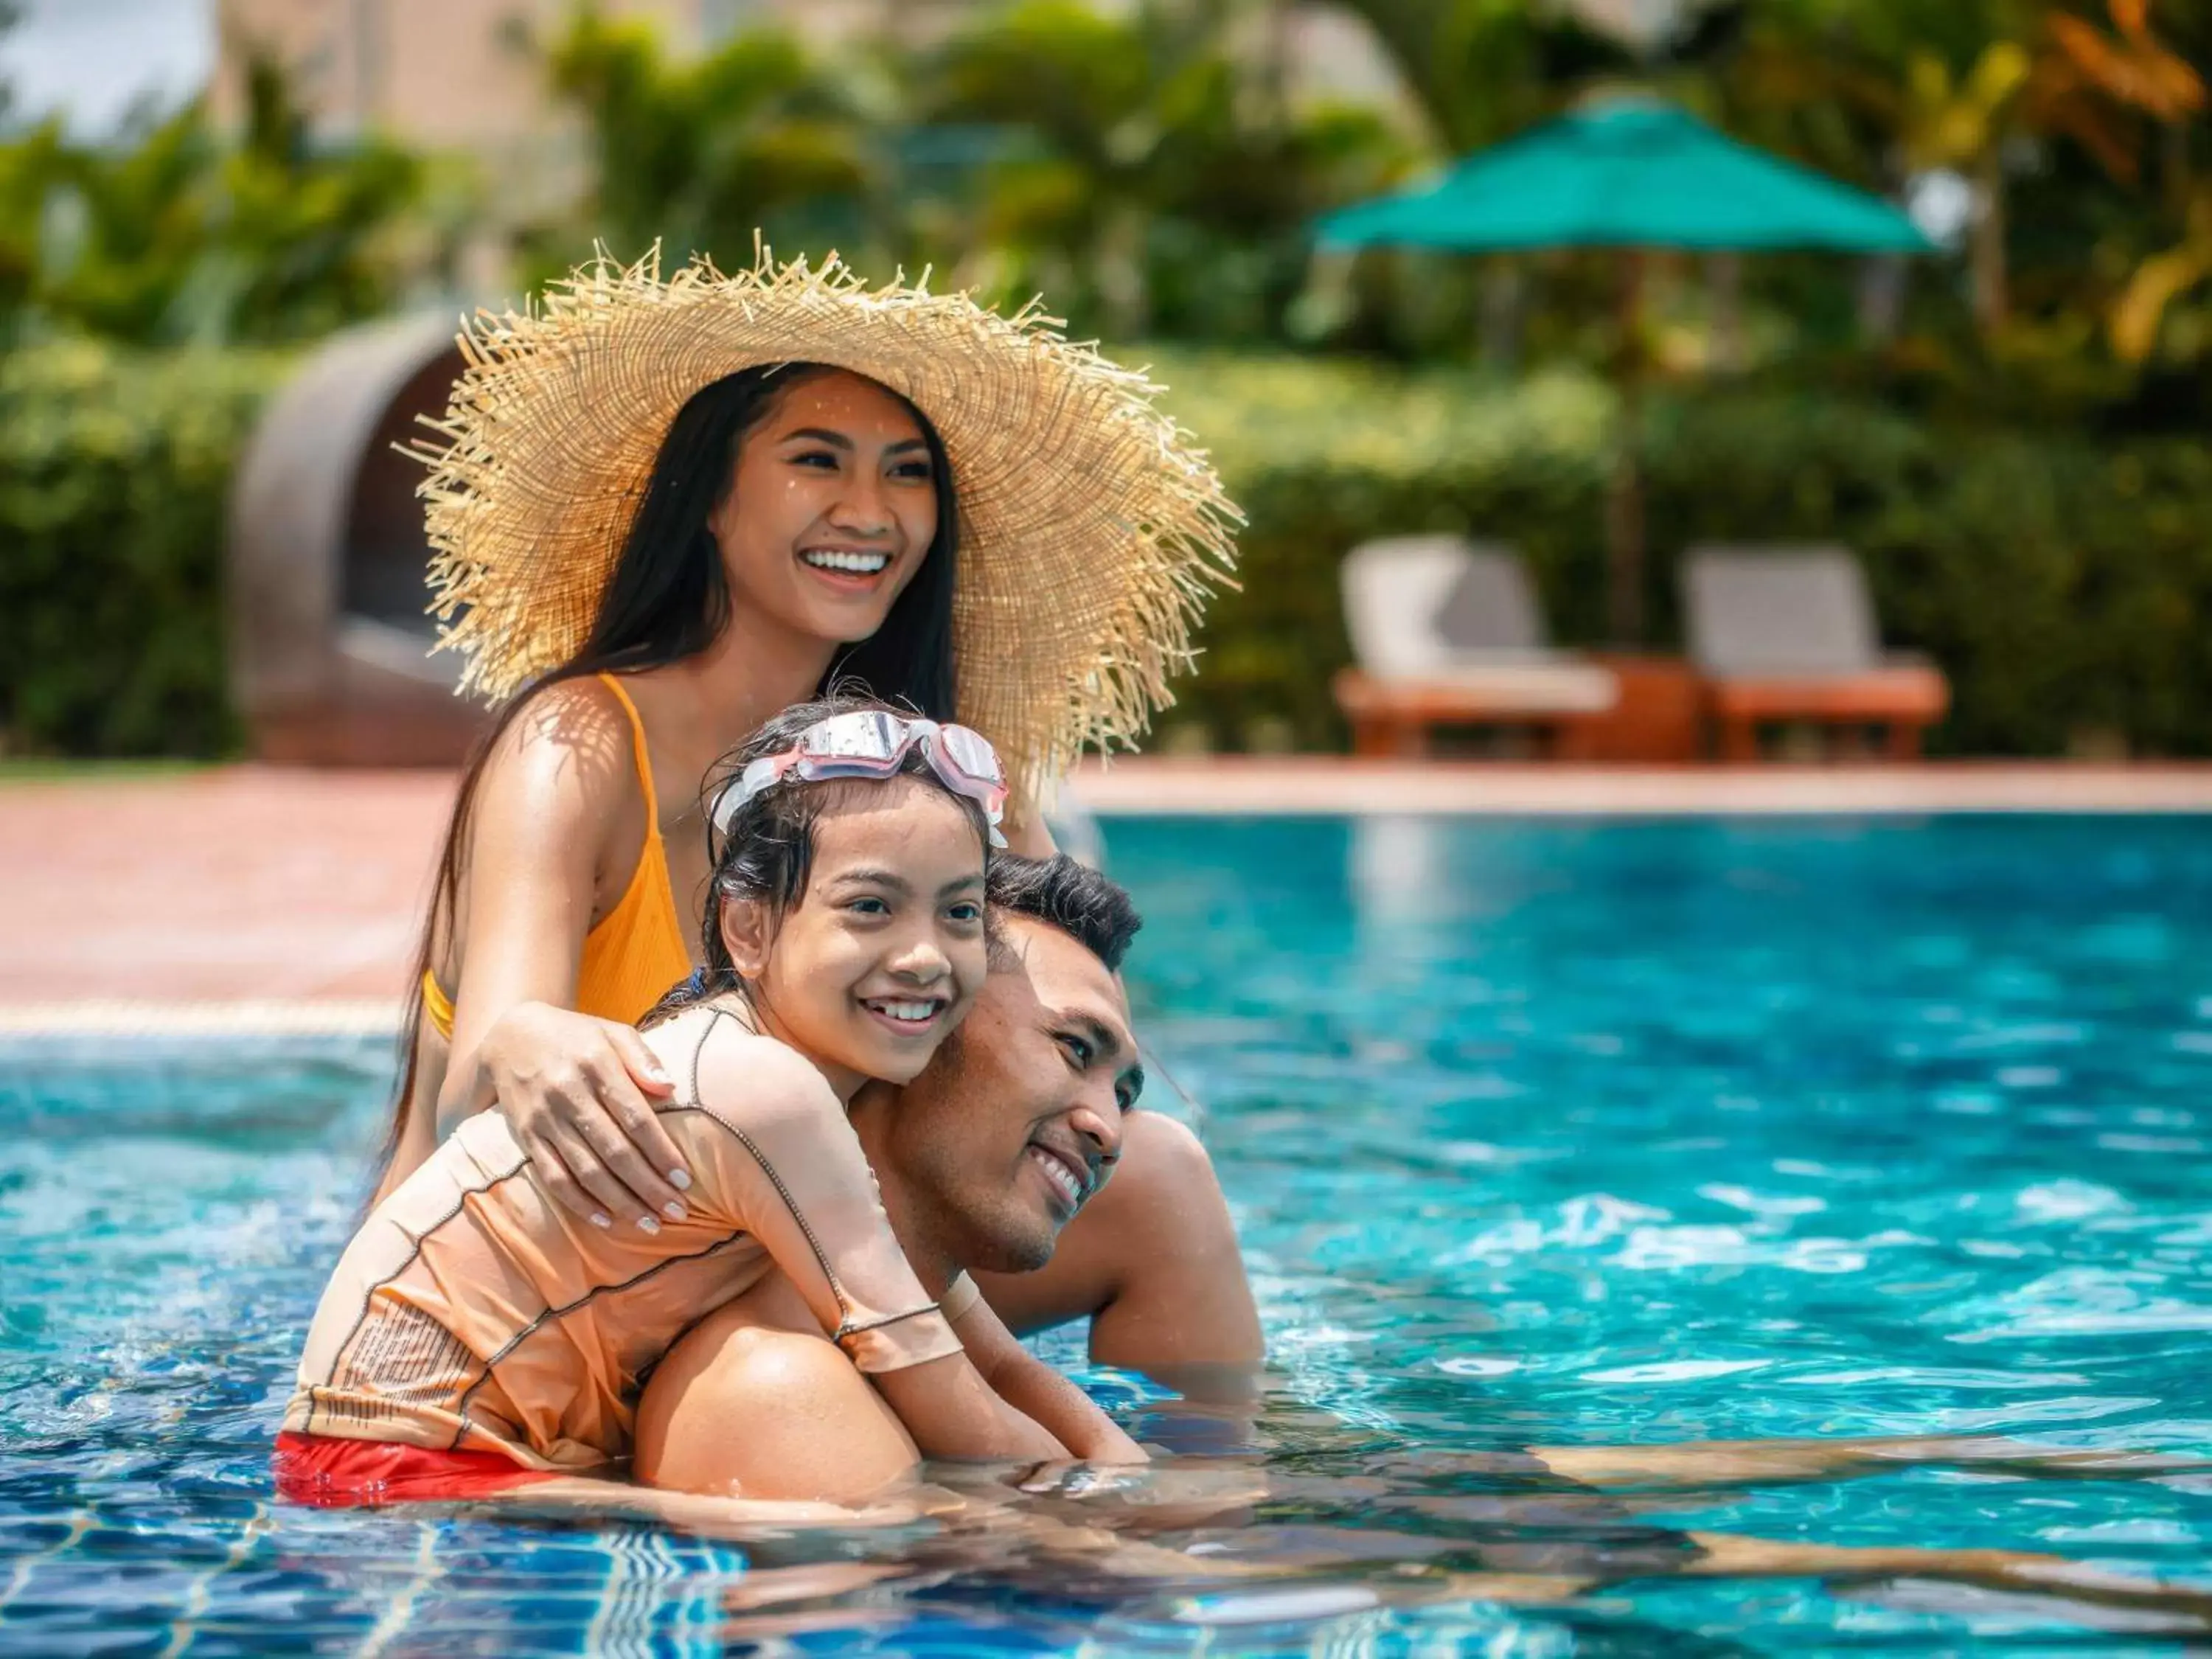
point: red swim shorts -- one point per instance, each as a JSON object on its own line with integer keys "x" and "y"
{"x": 332, "y": 1474}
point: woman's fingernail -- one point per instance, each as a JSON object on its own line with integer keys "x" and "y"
{"x": 645, "y": 1224}
{"x": 674, "y": 1210}
{"x": 654, "y": 1074}
{"x": 680, "y": 1179}
{"x": 598, "y": 1219}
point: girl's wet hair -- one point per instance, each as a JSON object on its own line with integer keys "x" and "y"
{"x": 766, "y": 853}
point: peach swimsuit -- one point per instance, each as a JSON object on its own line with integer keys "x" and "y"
{"x": 472, "y": 1313}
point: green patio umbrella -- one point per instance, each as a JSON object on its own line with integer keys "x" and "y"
{"x": 1634, "y": 173}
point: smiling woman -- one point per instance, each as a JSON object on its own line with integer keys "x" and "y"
{"x": 666, "y": 510}
{"x": 735, "y": 583}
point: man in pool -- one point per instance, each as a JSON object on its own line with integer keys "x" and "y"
{"x": 981, "y": 1161}
{"x": 473, "y": 1339}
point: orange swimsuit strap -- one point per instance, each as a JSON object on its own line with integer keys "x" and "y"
{"x": 638, "y": 950}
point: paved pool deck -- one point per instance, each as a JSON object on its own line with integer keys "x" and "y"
{"x": 255, "y": 898}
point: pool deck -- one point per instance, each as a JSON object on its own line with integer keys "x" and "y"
{"x": 251, "y": 898}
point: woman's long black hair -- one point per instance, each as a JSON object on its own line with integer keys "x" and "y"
{"x": 669, "y": 598}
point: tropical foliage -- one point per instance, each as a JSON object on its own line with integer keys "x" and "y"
{"x": 1131, "y": 163}
{"x": 1152, "y": 167}
{"x": 2012, "y": 432}
{"x": 176, "y": 234}
{"x": 114, "y": 468}
{"x": 2060, "y": 578}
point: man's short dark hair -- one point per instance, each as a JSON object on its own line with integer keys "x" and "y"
{"x": 1086, "y": 903}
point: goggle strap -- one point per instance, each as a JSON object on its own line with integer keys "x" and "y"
{"x": 771, "y": 769}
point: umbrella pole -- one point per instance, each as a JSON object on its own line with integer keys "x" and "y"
{"x": 1624, "y": 495}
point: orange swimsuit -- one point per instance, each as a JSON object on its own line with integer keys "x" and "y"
{"x": 471, "y": 1313}
{"x": 637, "y": 951}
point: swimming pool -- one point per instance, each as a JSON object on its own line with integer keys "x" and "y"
{"x": 1548, "y": 1134}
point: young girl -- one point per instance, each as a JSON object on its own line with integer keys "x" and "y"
{"x": 477, "y": 1335}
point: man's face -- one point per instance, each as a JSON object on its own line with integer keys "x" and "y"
{"x": 1018, "y": 1119}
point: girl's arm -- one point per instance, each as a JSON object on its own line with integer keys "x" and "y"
{"x": 951, "y": 1412}
{"x": 554, "y": 799}
{"x": 775, "y": 1157}
{"x": 1033, "y": 1387}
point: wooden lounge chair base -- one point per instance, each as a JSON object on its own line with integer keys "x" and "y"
{"x": 1904, "y": 700}
{"x": 1394, "y": 719}
{"x": 1788, "y": 634}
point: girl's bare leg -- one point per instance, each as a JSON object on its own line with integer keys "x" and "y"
{"x": 755, "y": 1403}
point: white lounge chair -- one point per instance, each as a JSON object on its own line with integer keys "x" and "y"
{"x": 1446, "y": 632}
{"x": 1787, "y": 635}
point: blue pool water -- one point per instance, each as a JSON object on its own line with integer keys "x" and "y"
{"x": 1539, "y": 1135}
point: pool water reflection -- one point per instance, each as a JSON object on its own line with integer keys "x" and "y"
{"x": 1543, "y": 1138}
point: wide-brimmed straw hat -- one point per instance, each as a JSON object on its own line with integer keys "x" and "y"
{"x": 1091, "y": 528}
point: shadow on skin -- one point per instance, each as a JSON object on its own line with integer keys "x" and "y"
{"x": 578, "y": 724}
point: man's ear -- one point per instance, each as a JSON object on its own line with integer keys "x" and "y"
{"x": 747, "y": 931}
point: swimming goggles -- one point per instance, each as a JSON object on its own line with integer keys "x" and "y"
{"x": 873, "y": 744}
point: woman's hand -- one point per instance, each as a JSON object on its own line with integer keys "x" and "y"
{"x": 574, "y": 1090}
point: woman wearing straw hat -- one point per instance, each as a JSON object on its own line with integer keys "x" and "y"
{"x": 663, "y": 511}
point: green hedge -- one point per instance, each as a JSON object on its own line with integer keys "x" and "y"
{"x": 2062, "y": 583}
{"x": 114, "y": 467}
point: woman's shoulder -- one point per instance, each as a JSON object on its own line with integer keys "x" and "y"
{"x": 567, "y": 750}
{"x": 583, "y": 712}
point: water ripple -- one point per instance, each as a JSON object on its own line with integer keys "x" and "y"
{"x": 1822, "y": 1184}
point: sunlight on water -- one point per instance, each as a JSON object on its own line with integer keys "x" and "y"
{"x": 1552, "y": 1146}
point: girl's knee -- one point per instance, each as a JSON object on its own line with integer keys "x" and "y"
{"x": 766, "y": 1412}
